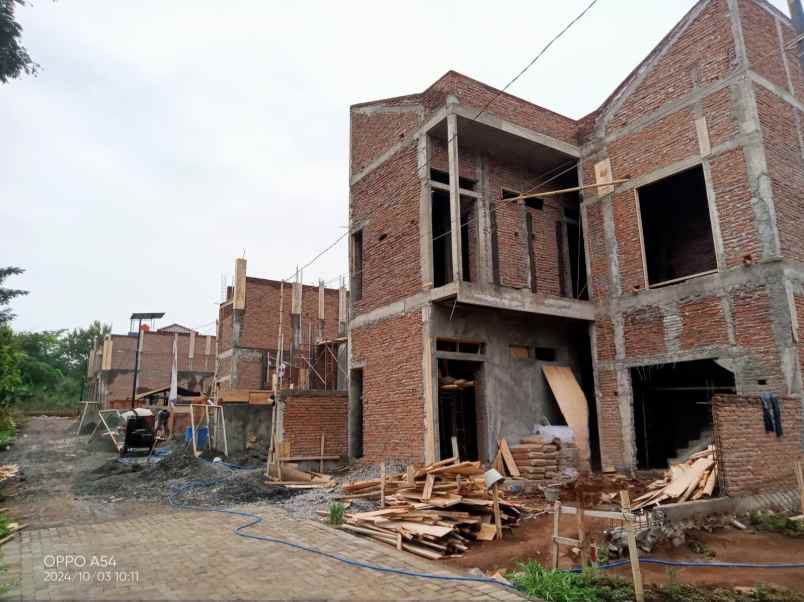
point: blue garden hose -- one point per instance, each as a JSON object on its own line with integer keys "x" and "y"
{"x": 255, "y": 520}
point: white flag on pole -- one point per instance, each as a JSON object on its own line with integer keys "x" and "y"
{"x": 174, "y": 376}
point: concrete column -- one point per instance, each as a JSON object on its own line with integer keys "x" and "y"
{"x": 343, "y": 311}
{"x": 454, "y": 194}
{"x": 321, "y": 297}
{"x": 485, "y": 267}
{"x": 425, "y": 213}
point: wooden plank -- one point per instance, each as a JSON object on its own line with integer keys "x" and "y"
{"x": 455, "y": 453}
{"x": 510, "y": 464}
{"x": 428, "y": 487}
{"x": 556, "y": 520}
{"x": 321, "y": 466}
{"x": 487, "y": 532}
{"x": 497, "y": 517}
{"x": 566, "y": 541}
{"x": 573, "y": 404}
{"x": 800, "y": 481}
{"x": 382, "y": 485}
{"x": 307, "y": 458}
{"x": 239, "y": 297}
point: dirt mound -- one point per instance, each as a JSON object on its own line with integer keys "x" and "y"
{"x": 198, "y": 481}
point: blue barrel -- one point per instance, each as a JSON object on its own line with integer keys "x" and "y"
{"x": 201, "y": 436}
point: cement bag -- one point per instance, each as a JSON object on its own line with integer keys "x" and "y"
{"x": 562, "y": 433}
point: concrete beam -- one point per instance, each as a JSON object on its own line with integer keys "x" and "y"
{"x": 525, "y": 301}
{"x": 528, "y": 134}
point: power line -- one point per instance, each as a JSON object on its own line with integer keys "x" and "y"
{"x": 477, "y": 116}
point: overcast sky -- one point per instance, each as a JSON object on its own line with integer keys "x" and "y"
{"x": 163, "y": 139}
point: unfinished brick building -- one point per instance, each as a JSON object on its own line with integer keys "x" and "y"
{"x": 248, "y": 334}
{"x": 680, "y": 279}
{"x": 110, "y": 366}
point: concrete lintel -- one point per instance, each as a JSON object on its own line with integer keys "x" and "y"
{"x": 446, "y": 188}
{"x": 525, "y": 301}
{"x": 404, "y": 306}
{"x": 464, "y": 357}
{"x": 225, "y": 354}
{"x": 705, "y": 353}
{"x": 413, "y": 107}
{"x": 517, "y": 130}
{"x": 702, "y": 286}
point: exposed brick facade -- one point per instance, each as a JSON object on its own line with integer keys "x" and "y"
{"x": 113, "y": 380}
{"x": 308, "y": 414}
{"x": 719, "y": 94}
{"x": 249, "y": 336}
{"x": 751, "y": 459}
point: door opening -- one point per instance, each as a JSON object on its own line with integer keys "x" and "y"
{"x": 458, "y": 403}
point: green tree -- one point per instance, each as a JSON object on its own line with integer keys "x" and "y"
{"x": 7, "y": 294}
{"x": 10, "y": 360}
{"x": 14, "y": 59}
{"x": 76, "y": 345}
{"x": 10, "y": 354}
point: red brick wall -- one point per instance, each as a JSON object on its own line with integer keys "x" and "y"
{"x": 612, "y": 447}
{"x": 477, "y": 95}
{"x": 393, "y": 406}
{"x": 703, "y": 323}
{"x": 389, "y": 199}
{"x": 644, "y": 332}
{"x": 374, "y": 133}
{"x": 785, "y": 167}
{"x": 260, "y": 321}
{"x": 704, "y": 52}
{"x": 762, "y": 42}
{"x": 598, "y": 257}
{"x": 310, "y": 413}
{"x": 604, "y": 335}
{"x": 751, "y": 460}
{"x": 753, "y": 331}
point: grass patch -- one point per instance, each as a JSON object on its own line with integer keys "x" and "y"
{"x": 336, "y": 513}
{"x": 558, "y": 586}
{"x": 777, "y": 523}
{"x": 595, "y": 586}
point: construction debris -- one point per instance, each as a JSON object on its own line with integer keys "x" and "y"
{"x": 291, "y": 476}
{"x": 435, "y": 512}
{"x": 690, "y": 480}
{"x": 8, "y": 471}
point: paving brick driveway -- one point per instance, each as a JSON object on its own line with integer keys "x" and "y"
{"x": 195, "y": 555}
{"x": 164, "y": 553}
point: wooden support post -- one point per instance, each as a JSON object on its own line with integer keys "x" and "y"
{"x": 382, "y": 485}
{"x": 582, "y": 533}
{"x": 633, "y": 550}
{"x": 455, "y": 453}
{"x": 192, "y": 431}
{"x": 556, "y": 521}
{"x": 800, "y": 481}
{"x": 497, "y": 517}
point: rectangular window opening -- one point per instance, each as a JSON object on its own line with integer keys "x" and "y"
{"x": 468, "y": 237}
{"x": 676, "y": 230}
{"x": 357, "y": 265}
{"x": 459, "y": 345}
{"x": 544, "y": 354}
{"x": 442, "y": 177}
{"x": 442, "y": 238}
{"x": 520, "y": 352}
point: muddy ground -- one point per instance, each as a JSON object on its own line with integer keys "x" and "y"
{"x": 532, "y": 541}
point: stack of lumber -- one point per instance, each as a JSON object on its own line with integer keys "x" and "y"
{"x": 536, "y": 458}
{"x": 8, "y": 471}
{"x": 434, "y": 512}
{"x": 691, "y": 480}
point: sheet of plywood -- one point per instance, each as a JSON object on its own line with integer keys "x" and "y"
{"x": 573, "y": 405}
{"x": 239, "y": 297}
{"x": 513, "y": 470}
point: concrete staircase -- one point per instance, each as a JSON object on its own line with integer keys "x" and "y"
{"x": 705, "y": 439}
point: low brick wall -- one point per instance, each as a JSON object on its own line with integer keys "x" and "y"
{"x": 307, "y": 414}
{"x": 751, "y": 460}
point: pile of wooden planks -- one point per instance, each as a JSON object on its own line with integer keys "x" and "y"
{"x": 8, "y": 471}
{"x": 434, "y": 512}
{"x": 691, "y": 480}
{"x": 291, "y": 476}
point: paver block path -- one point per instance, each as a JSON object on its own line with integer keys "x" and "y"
{"x": 195, "y": 555}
